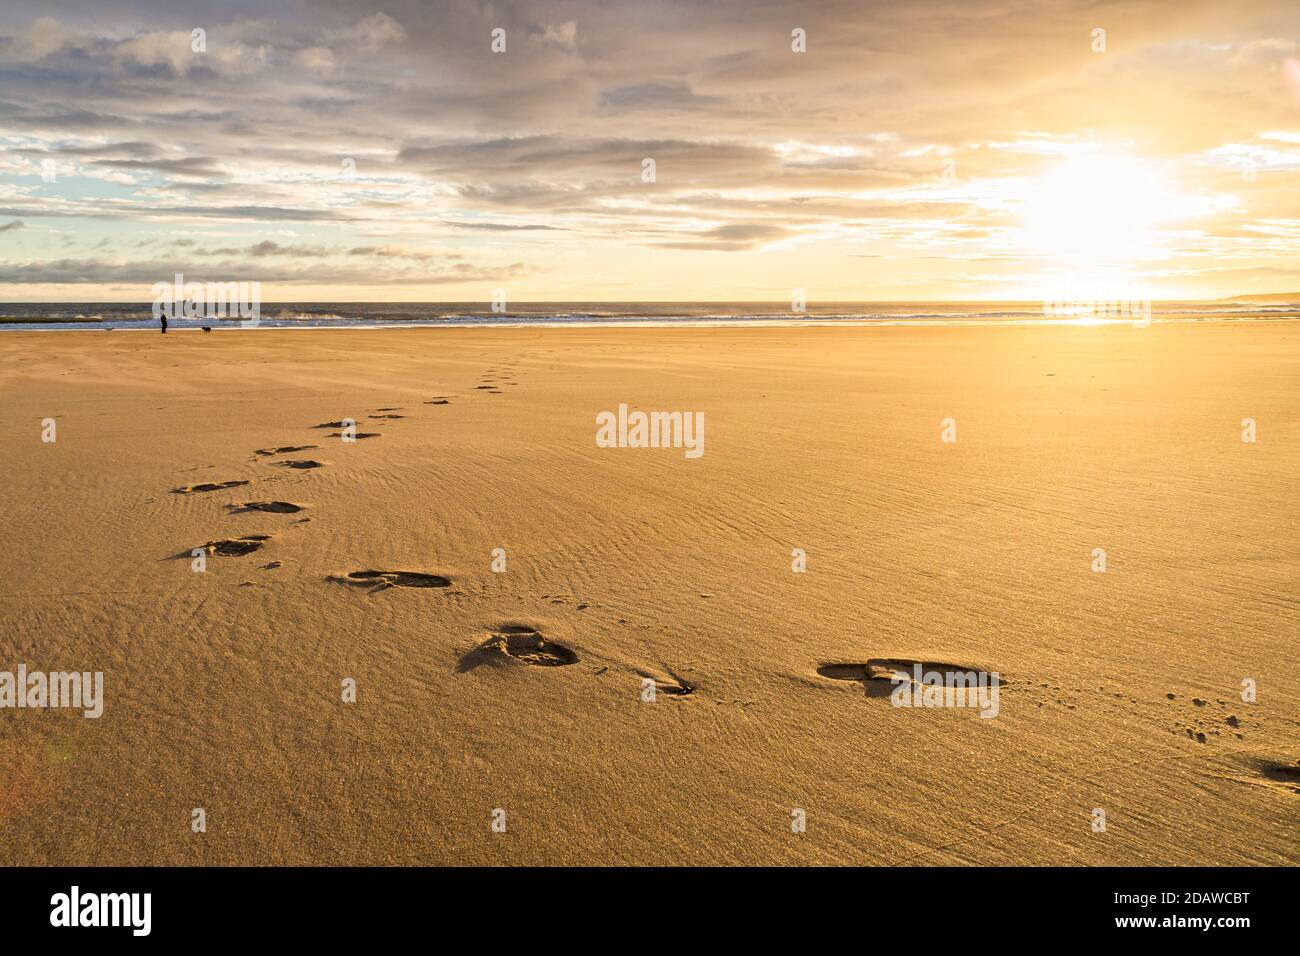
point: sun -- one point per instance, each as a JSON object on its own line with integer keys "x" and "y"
{"x": 1097, "y": 209}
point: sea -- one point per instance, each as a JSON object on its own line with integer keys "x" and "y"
{"x": 33, "y": 316}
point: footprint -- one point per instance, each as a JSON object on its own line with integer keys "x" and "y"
{"x": 878, "y": 681}
{"x": 881, "y": 675}
{"x": 521, "y": 643}
{"x": 275, "y": 507}
{"x": 383, "y": 580}
{"x": 299, "y": 463}
{"x": 855, "y": 672}
{"x": 208, "y": 486}
{"x": 236, "y": 547}
{"x": 357, "y": 435}
{"x": 341, "y": 423}
{"x": 282, "y": 450}
{"x": 387, "y": 416}
{"x": 485, "y": 386}
{"x": 673, "y": 686}
{"x": 1286, "y": 774}
{"x": 390, "y": 408}
{"x": 438, "y": 401}
{"x": 1282, "y": 776}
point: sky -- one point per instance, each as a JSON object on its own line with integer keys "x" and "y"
{"x": 650, "y": 151}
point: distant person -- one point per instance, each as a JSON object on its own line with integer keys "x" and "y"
{"x": 162, "y": 319}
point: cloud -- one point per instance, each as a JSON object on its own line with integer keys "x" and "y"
{"x": 70, "y": 271}
{"x": 125, "y": 211}
{"x": 197, "y": 166}
{"x": 56, "y": 118}
{"x": 377, "y": 31}
{"x": 391, "y": 252}
{"x": 503, "y": 226}
{"x": 131, "y": 149}
{"x": 269, "y": 248}
{"x": 537, "y": 154}
{"x": 15, "y": 224}
{"x": 38, "y": 41}
{"x": 563, "y": 35}
{"x": 157, "y": 49}
{"x": 315, "y": 58}
{"x": 653, "y": 96}
{"x": 730, "y": 238}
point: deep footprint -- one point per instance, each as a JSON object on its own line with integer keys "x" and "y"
{"x": 283, "y": 450}
{"x": 299, "y": 463}
{"x": 387, "y": 416}
{"x": 1289, "y": 773}
{"x": 880, "y": 675}
{"x": 383, "y": 580}
{"x": 521, "y": 643}
{"x": 1284, "y": 773}
{"x": 877, "y": 681}
{"x": 357, "y": 435}
{"x": 208, "y": 486}
{"x": 275, "y": 507}
{"x": 236, "y": 547}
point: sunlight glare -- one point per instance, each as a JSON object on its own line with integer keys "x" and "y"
{"x": 1095, "y": 208}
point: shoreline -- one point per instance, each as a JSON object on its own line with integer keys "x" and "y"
{"x": 681, "y": 323}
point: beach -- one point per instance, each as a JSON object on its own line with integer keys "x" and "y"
{"x": 570, "y": 652}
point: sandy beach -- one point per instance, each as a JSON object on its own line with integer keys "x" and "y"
{"x": 223, "y": 688}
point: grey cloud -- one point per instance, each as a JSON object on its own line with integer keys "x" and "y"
{"x": 145, "y": 210}
{"x": 731, "y": 238}
{"x": 129, "y": 148}
{"x": 502, "y": 226}
{"x": 104, "y": 271}
{"x": 269, "y": 248}
{"x": 58, "y": 118}
{"x": 648, "y": 96}
{"x": 199, "y": 166}
{"x": 544, "y": 156}
{"x": 390, "y": 252}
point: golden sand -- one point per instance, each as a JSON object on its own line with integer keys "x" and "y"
{"x": 524, "y": 691}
